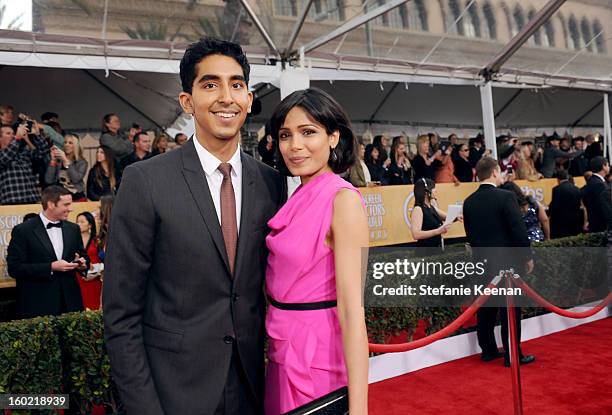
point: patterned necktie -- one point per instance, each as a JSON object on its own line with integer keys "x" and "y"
{"x": 229, "y": 224}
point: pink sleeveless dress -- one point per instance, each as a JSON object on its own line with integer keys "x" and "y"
{"x": 306, "y": 358}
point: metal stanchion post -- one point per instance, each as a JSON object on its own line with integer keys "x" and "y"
{"x": 514, "y": 350}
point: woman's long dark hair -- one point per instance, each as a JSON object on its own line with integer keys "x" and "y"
{"x": 92, "y": 222}
{"x": 394, "y": 146}
{"x": 106, "y": 206}
{"x": 368, "y": 154}
{"x": 326, "y": 111}
{"x": 423, "y": 187}
{"x": 109, "y": 155}
{"x": 520, "y": 196}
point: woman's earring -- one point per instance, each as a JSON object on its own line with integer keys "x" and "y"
{"x": 333, "y": 155}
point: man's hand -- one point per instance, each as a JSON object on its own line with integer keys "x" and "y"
{"x": 63, "y": 266}
{"x": 82, "y": 264}
{"x": 529, "y": 266}
{"x": 22, "y": 131}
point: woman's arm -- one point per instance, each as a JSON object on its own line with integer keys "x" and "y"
{"x": 51, "y": 173}
{"x": 544, "y": 221}
{"x": 417, "y": 225}
{"x": 350, "y": 238}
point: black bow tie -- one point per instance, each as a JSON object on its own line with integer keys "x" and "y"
{"x": 54, "y": 225}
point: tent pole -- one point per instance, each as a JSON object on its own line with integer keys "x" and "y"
{"x": 382, "y": 103}
{"x": 262, "y": 30}
{"x": 350, "y": 25}
{"x": 125, "y": 101}
{"x": 521, "y": 37}
{"x": 488, "y": 118}
{"x": 607, "y": 128}
{"x": 298, "y": 26}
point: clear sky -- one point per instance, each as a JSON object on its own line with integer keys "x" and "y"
{"x": 17, "y": 8}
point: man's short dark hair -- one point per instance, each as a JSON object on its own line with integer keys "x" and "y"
{"x": 137, "y": 136}
{"x": 597, "y": 164}
{"x": 178, "y": 135}
{"x": 53, "y": 194}
{"x": 485, "y": 168}
{"x": 207, "y": 46}
{"x": 48, "y": 116}
{"x": 562, "y": 175}
{"x": 29, "y": 216}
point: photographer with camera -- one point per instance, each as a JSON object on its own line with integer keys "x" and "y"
{"x": 20, "y": 147}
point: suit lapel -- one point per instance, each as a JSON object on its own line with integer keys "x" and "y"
{"x": 198, "y": 186}
{"x": 66, "y": 239}
{"x": 249, "y": 172}
{"x": 43, "y": 236}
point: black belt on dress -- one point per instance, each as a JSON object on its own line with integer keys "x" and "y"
{"x": 320, "y": 305}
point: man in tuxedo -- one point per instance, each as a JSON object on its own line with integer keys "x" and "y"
{"x": 591, "y": 194}
{"x": 492, "y": 219}
{"x": 183, "y": 292}
{"x": 565, "y": 209}
{"x": 45, "y": 256}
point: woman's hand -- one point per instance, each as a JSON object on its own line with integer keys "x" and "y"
{"x": 443, "y": 229}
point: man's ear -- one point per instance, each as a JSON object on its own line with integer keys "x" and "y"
{"x": 186, "y": 101}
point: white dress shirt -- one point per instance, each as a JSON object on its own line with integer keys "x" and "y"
{"x": 214, "y": 177}
{"x": 55, "y": 234}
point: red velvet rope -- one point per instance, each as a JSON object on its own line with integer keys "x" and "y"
{"x": 553, "y": 308}
{"x": 471, "y": 310}
{"x": 442, "y": 333}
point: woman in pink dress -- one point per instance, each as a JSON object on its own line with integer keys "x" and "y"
{"x": 315, "y": 322}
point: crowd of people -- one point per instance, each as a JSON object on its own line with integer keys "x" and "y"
{"x": 37, "y": 154}
{"x": 390, "y": 161}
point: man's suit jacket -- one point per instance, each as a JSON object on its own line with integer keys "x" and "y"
{"x": 29, "y": 257}
{"x": 173, "y": 314}
{"x": 564, "y": 210}
{"x": 591, "y": 197}
{"x": 492, "y": 219}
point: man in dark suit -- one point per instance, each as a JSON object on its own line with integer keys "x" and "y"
{"x": 591, "y": 194}
{"x": 43, "y": 255}
{"x": 183, "y": 292}
{"x": 492, "y": 219}
{"x": 565, "y": 209}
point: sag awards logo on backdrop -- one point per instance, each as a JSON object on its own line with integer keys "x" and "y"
{"x": 408, "y": 209}
{"x": 375, "y": 210}
{"x": 7, "y": 222}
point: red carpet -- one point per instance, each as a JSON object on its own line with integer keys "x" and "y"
{"x": 572, "y": 375}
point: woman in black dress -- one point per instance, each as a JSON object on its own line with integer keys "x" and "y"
{"x": 427, "y": 224}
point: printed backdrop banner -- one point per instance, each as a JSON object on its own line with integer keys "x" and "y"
{"x": 389, "y": 208}
{"x": 13, "y": 215}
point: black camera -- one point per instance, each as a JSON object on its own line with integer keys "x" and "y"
{"x": 444, "y": 145}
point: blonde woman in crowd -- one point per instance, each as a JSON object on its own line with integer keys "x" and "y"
{"x": 160, "y": 144}
{"x": 68, "y": 168}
